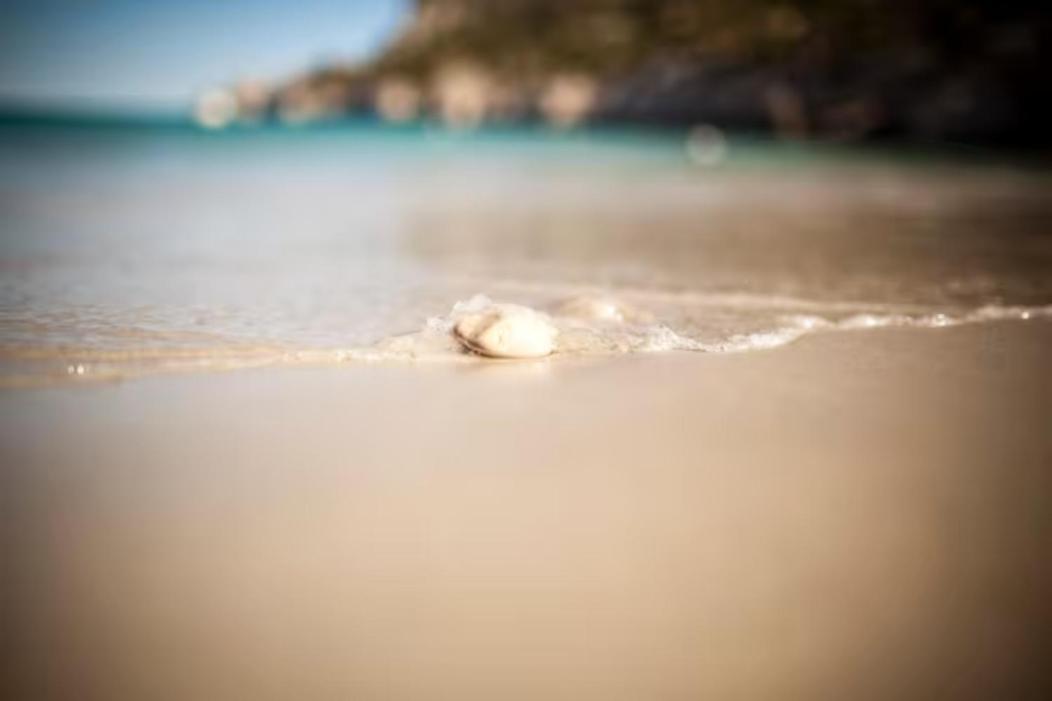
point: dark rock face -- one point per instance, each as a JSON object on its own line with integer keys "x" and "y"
{"x": 863, "y": 99}
{"x": 844, "y": 69}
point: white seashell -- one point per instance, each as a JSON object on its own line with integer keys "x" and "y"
{"x": 506, "y": 331}
{"x": 594, "y": 308}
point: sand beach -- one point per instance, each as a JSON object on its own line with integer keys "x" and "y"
{"x": 856, "y": 515}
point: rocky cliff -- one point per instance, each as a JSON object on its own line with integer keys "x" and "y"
{"x": 847, "y": 69}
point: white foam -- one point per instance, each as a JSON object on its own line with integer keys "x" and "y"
{"x": 602, "y": 337}
{"x": 434, "y": 343}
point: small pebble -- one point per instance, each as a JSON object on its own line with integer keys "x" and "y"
{"x": 506, "y": 331}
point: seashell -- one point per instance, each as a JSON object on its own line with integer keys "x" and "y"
{"x": 506, "y": 331}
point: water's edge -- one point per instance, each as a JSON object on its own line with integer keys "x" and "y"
{"x": 434, "y": 344}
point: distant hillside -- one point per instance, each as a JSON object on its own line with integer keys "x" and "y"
{"x": 846, "y": 69}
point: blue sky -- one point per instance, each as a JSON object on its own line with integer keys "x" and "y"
{"x": 158, "y": 53}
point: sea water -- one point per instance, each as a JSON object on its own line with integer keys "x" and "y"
{"x": 129, "y": 248}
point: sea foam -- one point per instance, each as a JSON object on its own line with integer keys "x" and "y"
{"x": 747, "y": 323}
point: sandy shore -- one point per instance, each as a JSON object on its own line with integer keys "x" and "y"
{"x": 858, "y": 515}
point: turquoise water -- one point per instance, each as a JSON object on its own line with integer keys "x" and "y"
{"x": 130, "y": 248}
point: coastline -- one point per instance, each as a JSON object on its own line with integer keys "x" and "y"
{"x": 857, "y": 515}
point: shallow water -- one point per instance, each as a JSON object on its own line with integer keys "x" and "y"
{"x": 145, "y": 248}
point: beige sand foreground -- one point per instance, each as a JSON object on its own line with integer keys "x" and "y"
{"x": 859, "y": 515}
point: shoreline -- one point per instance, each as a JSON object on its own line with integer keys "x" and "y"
{"x": 431, "y": 348}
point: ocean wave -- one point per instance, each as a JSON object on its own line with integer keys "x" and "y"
{"x": 627, "y": 330}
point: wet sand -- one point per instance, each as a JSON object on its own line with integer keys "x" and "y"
{"x": 858, "y": 515}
